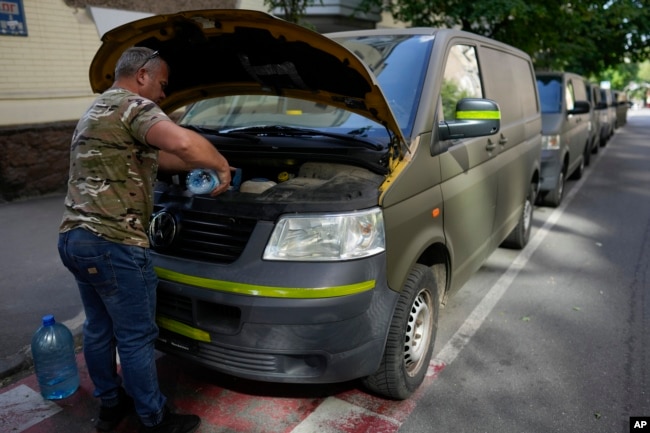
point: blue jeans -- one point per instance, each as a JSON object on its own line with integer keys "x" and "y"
{"x": 117, "y": 284}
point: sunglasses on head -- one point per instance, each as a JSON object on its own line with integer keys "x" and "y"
{"x": 151, "y": 57}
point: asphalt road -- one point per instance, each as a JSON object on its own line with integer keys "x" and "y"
{"x": 550, "y": 339}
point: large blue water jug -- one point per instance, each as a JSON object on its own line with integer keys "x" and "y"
{"x": 202, "y": 180}
{"x": 54, "y": 359}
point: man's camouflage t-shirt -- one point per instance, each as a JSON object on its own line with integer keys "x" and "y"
{"x": 112, "y": 169}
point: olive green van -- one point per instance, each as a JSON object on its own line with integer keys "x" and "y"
{"x": 377, "y": 171}
{"x": 566, "y": 117}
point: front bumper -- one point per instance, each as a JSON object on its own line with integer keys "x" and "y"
{"x": 276, "y": 321}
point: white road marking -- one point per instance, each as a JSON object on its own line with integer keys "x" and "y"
{"x": 22, "y": 407}
{"x": 337, "y": 416}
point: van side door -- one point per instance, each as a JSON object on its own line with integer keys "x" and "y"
{"x": 509, "y": 79}
{"x": 468, "y": 168}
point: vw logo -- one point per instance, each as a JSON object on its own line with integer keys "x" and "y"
{"x": 162, "y": 229}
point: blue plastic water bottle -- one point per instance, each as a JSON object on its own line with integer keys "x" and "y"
{"x": 54, "y": 359}
{"x": 202, "y": 180}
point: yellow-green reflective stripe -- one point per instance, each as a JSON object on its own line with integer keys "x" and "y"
{"x": 267, "y": 291}
{"x": 183, "y": 329}
{"x": 478, "y": 115}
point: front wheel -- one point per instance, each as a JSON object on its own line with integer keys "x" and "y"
{"x": 411, "y": 338}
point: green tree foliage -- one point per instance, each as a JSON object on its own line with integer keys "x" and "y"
{"x": 644, "y": 71}
{"x": 619, "y": 76}
{"x": 292, "y": 10}
{"x": 584, "y": 36}
{"x": 450, "y": 95}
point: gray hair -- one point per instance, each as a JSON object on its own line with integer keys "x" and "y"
{"x": 135, "y": 58}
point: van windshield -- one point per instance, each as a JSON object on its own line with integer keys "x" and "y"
{"x": 550, "y": 94}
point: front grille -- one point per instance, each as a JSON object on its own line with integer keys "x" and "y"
{"x": 209, "y": 237}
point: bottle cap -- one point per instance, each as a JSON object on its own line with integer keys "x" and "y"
{"x": 48, "y": 320}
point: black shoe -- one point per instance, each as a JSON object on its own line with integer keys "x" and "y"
{"x": 111, "y": 417}
{"x": 174, "y": 423}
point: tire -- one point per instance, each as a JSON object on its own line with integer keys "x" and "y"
{"x": 411, "y": 337}
{"x": 554, "y": 198}
{"x": 520, "y": 235}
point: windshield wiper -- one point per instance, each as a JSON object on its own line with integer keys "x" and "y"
{"x": 289, "y": 131}
{"x": 230, "y": 134}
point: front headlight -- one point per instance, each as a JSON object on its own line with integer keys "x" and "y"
{"x": 327, "y": 237}
{"x": 550, "y": 141}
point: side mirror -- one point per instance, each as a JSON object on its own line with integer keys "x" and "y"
{"x": 475, "y": 117}
{"x": 580, "y": 107}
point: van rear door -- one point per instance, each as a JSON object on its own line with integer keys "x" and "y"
{"x": 509, "y": 79}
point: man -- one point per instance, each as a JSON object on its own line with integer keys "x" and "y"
{"x": 116, "y": 149}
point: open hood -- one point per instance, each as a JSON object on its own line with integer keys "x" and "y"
{"x": 226, "y": 52}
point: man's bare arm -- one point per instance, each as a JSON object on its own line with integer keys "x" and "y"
{"x": 182, "y": 149}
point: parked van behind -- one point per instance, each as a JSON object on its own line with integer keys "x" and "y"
{"x": 607, "y": 108}
{"x": 565, "y": 131}
{"x": 379, "y": 169}
{"x": 593, "y": 96}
